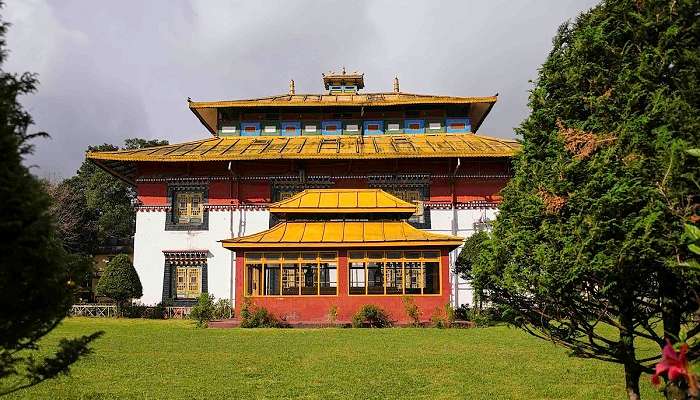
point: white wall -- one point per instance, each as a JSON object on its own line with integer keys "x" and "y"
{"x": 441, "y": 222}
{"x": 151, "y": 239}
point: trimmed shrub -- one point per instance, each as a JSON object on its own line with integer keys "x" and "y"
{"x": 120, "y": 282}
{"x": 371, "y": 316}
{"x": 203, "y": 311}
{"x": 412, "y": 310}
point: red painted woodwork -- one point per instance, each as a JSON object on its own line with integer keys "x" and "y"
{"x": 315, "y": 308}
{"x": 152, "y": 194}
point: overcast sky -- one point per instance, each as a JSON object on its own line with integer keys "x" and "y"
{"x": 111, "y": 70}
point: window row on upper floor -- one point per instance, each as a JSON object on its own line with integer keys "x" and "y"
{"x": 346, "y": 127}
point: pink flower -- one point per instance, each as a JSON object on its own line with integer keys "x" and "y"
{"x": 675, "y": 366}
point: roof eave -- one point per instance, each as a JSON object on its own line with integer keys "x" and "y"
{"x": 388, "y": 244}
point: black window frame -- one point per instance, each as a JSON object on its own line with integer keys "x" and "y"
{"x": 171, "y": 219}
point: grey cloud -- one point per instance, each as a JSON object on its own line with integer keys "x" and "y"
{"x": 112, "y": 70}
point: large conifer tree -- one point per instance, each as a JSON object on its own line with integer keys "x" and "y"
{"x": 589, "y": 237}
{"x": 35, "y": 273}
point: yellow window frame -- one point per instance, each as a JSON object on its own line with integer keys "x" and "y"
{"x": 188, "y": 282}
{"x": 263, "y": 258}
{"x": 190, "y": 207}
{"x": 425, "y": 256}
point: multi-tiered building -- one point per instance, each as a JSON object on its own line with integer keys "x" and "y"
{"x": 307, "y": 201}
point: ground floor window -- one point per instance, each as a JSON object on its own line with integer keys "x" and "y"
{"x": 291, "y": 273}
{"x": 185, "y": 276}
{"x": 188, "y": 282}
{"x": 394, "y": 272}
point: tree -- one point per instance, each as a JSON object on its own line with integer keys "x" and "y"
{"x": 120, "y": 282}
{"x": 470, "y": 254}
{"x": 35, "y": 275}
{"x": 588, "y": 238}
{"x": 109, "y": 200}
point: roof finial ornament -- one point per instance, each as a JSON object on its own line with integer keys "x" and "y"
{"x": 343, "y": 69}
{"x": 291, "y": 87}
{"x": 396, "y": 84}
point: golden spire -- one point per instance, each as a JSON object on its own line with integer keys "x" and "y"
{"x": 396, "y": 84}
{"x": 291, "y": 87}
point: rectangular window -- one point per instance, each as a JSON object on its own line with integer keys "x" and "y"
{"x": 188, "y": 282}
{"x": 393, "y": 127}
{"x": 250, "y": 128}
{"x": 352, "y": 128}
{"x": 374, "y": 127}
{"x": 331, "y": 127}
{"x": 189, "y": 207}
{"x": 394, "y": 272}
{"x": 290, "y": 279}
{"x": 414, "y": 126}
{"x": 272, "y": 279}
{"x": 458, "y": 125}
{"x": 270, "y": 129}
{"x": 434, "y": 126}
{"x": 328, "y": 278}
{"x": 310, "y": 128}
{"x": 358, "y": 282}
{"x": 291, "y": 274}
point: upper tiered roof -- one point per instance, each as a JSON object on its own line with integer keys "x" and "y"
{"x": 207, "y": 111}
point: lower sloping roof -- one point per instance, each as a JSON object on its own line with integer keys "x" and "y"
{"x": 297, "y": 234}
{"x": 349, "y": 201}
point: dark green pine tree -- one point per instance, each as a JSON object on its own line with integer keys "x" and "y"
{"x": 35, "y": 274}
{"x": 585, "y": 250}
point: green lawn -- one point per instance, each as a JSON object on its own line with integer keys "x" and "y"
{"x": 174, "y": 360}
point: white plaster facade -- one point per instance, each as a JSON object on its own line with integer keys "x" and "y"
{"x": 151, "y": 239}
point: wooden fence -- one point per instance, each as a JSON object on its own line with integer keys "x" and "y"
{"x": 110, "y": 310}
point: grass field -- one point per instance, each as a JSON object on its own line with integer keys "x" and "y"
{"x": 143, "y": 359}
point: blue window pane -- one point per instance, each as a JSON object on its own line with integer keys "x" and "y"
{"x": 331, "y": 128}
{"x": 250, "y": 128}
{"x": 458, "y": 125}
{"x": 414, "y": 126}
{"x": 373, "y": 127}
{"x": 290, "y": 128}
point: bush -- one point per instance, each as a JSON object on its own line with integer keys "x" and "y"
{"x": 258, "y": 317}
{"x": 133, "y": 310}
{"x": 443, "y": 317}
{"x": 203, "y": 311}
{"x": 261, "y": 318}
{"x": 464, "y": 313}
{"x": 371, "y": 316}
{"x": 223, "y": 309}
{"x": 120, "y": 282}
{"x": 412, "y": 310}
{"x": 333, "y": 314}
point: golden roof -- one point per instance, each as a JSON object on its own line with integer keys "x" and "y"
{"x": 320, "y": 147}
{"x": 342, "y": 234}
{"x": 351, "y": 147}
{"x": 206, "y": 111}
{"x": 343, "y": 201}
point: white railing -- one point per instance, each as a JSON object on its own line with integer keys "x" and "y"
{"x": 110, "y": 310}
{"x": 177, "y": 312}
{"x": 93, "y": 310}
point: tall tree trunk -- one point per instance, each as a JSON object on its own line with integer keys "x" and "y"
{"x": 670, "y": 308}
{"x": 632, "y": 368}
{"x": 632, "y": 374}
